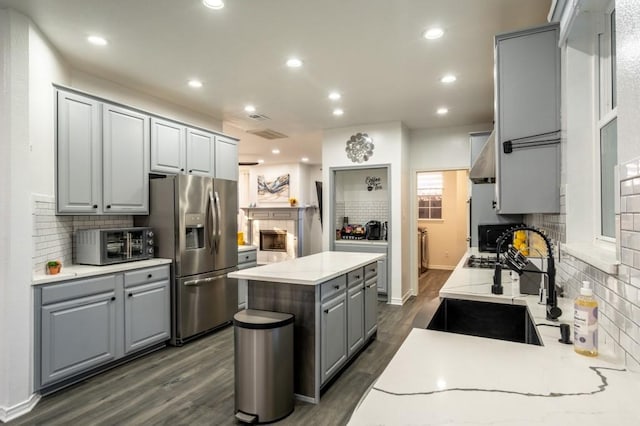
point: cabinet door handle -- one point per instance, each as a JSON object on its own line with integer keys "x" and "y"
{"x": 190, "y": 171}
{"x": 150, "y": 276}
{"x": 182, "y": 170}
{"x": 109, "y": 206}
{"x": 113, "y": 298}
{"x": 95, "y": 206}
{"x": 326, "y": 311}
{"x": 130, "y": 294}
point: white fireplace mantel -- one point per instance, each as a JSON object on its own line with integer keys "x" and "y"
{"x": 266, "y": 217}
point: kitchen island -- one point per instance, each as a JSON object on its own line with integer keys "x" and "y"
{"x": 333, "y": 296}
{"x": 445, "y": 378}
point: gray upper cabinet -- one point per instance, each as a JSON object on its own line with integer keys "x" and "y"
{"x": 168, "y": 146}
{"x": 528, "y": 119}
{"x": 125, "y": 161}
{"x": 102, "y": 157}
{"x": 200, "y": 153}
{"x": 79, "y": 156}
{"x": 226, "y": 158}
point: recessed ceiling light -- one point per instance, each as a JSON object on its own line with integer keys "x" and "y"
{"x": 250, "y": 108}
{"x": 338, "y": 111}
{"x": 213, "y": 4}
{"x": 442, "y": 111}
{"x": 294, "y": 63}
{"x": 261, "y": 161}
{"x": 275, "y": 151}
{"x": 305, "y": 159}
{"x": 195, "y": 83}
{"x": 449, "y": 78}
{"x": 97, "y": 40}
{"x": 433, "y": 33}
{"x": 334, "y": 96}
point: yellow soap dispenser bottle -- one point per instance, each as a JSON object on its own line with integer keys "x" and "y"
{"x": 585, "y": 322}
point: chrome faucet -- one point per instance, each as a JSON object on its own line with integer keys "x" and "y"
{"x": 553, "y": 311}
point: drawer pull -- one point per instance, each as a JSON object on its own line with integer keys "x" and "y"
{"x": 336, "y": 286}
{"x": 130, "y": 294}
{"x": 113, "y": 298}
{"x": 326, "y": 311}
{"x": 357, "y": 277}
{"x": 150, "y": 276}
{"x": 95, "y": 206}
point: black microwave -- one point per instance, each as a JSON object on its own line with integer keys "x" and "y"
{"x": 488, "y": 236}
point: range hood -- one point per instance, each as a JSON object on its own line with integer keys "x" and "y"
{"x": 483, "y": 170}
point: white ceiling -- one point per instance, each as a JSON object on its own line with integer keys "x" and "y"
{"x": 369, "y": 50}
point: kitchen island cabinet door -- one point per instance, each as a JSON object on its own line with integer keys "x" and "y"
{"x": 355, "y": 322}
{"x": 226, "y": 158}
{"x": 333, "y": 336}
{"x": 200, "y": 153}
{"x": 168, "y": 147}
{"x": 77, "y": 334}
{"x": 370, "y": 307}
{"x": 125, "y": 152}
{"x": 147, "y": 315}
{"x": 79, "y": 156}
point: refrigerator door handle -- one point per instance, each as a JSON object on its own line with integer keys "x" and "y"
{"x": 218, "y": 218}
{"x": 213, "y": 223}
{"x": 204, "y": 280}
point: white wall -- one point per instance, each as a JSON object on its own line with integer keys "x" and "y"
{"x": 298, "y": 183}
{"x": 628, "y": 63}
{"x": 580, "y": 157}
{"x": 390, "y": 144}
{"x": 443, "y": 148}
{"x": 16, "y": 313}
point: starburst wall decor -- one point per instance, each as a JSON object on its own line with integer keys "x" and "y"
{"x": 359, "y": 148}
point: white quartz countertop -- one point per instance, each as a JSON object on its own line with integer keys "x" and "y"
{"x": 246, "y": 248}
{"x": 440, "y": 378}
{"x": 308, "y": 270}
{"x": 82, "y": 271}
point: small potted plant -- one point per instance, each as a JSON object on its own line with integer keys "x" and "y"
{"x": 54, "y": 266}
{"x": 293, "y": 201}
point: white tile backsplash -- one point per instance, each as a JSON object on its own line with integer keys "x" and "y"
{"x": 52, "y": 235}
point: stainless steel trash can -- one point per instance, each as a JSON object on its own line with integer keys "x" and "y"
{"x": 263, "y": 343}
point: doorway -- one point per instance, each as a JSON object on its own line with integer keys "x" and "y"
{"x": 441, "y": 209}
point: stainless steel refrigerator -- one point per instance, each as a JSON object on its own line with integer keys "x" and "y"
{"x": 194, "y": 219}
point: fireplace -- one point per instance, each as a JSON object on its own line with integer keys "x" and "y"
{"x": 278, "y": 232}
{"x": 273, "y": 240}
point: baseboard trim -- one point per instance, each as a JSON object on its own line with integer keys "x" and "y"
{"x": 444, "y": 267}
{"x": 401, "y": 301}
{"x": 10, "y": 413}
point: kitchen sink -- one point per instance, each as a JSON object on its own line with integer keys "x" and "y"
{"x": 485, "y": 319}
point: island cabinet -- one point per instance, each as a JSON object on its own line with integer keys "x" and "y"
{"x": 334, "y": 317}
{"x": 247, "y": 258}
{"x": 85, "y": 325}
{"x": 102, "y": 157}
{"x": 177, "y": 148}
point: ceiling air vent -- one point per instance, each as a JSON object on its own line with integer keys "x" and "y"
{"x": 258, "y": 117}
{"x": 268, "y": 134}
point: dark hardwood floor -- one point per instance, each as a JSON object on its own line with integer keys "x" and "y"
{"x": 193, "y": 385}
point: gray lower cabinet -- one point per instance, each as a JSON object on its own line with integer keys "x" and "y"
{"x": 84, "y": 324}
{"x": 147, "y": 315}
{"x": 371, "y": 300}
{"x": 78, "y": 334}
{"x": 246, "y": 259}
{"x": 355, "y": 311}
{"x": 334, "y": 335}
